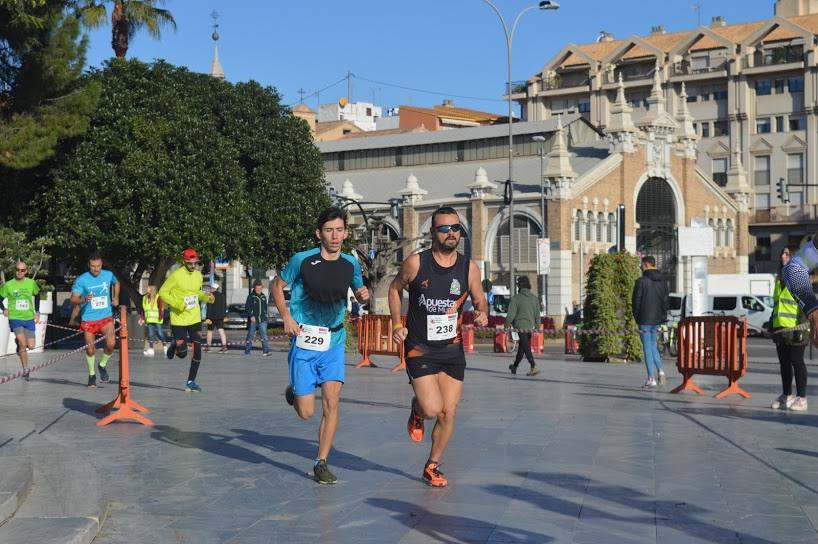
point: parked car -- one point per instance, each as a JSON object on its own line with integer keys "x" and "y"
{"x": 274, "y": 318}
{"x": 235, "y": 319}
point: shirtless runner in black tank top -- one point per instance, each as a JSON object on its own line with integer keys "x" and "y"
{"x": 438, "y": 280}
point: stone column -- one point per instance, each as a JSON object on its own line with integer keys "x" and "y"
{"x": 480, "y": 188}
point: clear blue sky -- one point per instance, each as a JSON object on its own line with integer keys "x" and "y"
{"x": 455, "y": 47}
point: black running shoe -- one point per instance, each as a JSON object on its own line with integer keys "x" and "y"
{"x": 322, "y": 473}
{"x": 92, "y": 381}
{"x": 513, "y": 368}
{"x": 289, "y": 394}
{"x": 103, "y": 375}
{"x": 171, "y": 351}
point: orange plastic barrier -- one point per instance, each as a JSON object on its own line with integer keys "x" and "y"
{"x": 468, "y": 338}
{"x": 127, "y": 407}
{"x": 375, "y": 338}
{"x": 500, "y": 339}
{"x": 713, "y": 345}
{"x": 571, "y": 341}
{"x": 538, "y": 341}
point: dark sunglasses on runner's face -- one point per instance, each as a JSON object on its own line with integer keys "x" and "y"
{"x": 444, "y": 229}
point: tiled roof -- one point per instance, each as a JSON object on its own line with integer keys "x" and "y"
{"x": 599, "y": 51}
{"x": 738, "y": 33}
{"x": 384, "y": 132}
{"x": 810, "y": 22}
{"x": 638, "y": 51}
{"x": 329, "y": 125}
{"x": 574, "y": 60}
{"x": 666, "y": 42}
{"x": 781, "y": 33}
{"x": 706, "y": 42}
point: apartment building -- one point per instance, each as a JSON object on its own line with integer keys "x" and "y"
{"x": 751, "y": 89}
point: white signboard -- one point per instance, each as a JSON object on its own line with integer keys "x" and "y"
{"x": 695, "y": 241}
{"x": 543, "y": 255}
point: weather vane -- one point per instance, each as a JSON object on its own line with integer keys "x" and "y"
{"x": 215, "y": 17}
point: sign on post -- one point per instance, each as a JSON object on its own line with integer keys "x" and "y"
{"x": 543, "y": 255}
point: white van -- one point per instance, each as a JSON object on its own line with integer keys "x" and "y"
{"x": 752, "y": 307}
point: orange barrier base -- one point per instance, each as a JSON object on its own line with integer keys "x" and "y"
{"x": 733, "y": 389}
{"x": 687, "y": 384}
{"x": 127, "y": 410}
{"x": 366, "y": 361}
{"x": 500, "y": 340}
{"x": 400, "y": 366}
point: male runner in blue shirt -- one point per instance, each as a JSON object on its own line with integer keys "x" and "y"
{"x": 320, "y": 279}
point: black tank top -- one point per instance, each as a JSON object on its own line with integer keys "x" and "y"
{"x": 441, "y": 291}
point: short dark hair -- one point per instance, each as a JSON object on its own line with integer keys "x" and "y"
{"x": 443, "y": 210}
{"x": 523, "y": 282}
{"x": 649, "y": 259}
{"x": 331, "y": 214}
{"x": 257, "y": 283}
{"x": 95, "y": 256}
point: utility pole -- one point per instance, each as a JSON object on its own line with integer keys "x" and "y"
{"x": 301, "y": 93}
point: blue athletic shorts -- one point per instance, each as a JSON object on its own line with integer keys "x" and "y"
{"x": 23, "y": 326}
{"x": 309, "y": 369}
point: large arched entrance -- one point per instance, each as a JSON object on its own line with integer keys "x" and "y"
{"x": 656, "y": 235}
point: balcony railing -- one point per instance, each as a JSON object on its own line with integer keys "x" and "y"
{"x": 786, "y": 214}
{"x": 686, "y": 69}
{"x": 558, "y": 81}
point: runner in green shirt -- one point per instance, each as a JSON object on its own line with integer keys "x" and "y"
{"x": 20, "y": 300}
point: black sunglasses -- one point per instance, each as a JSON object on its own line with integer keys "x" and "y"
{"x": 444, "y": 229}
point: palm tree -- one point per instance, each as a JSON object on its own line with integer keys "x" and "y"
{"x": 127, "y": 17}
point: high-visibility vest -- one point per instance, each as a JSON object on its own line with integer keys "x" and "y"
{"x": 151, "y": 309}
{"x": 785, "y": 308}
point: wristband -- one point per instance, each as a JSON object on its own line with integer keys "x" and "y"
{"x": 396, "y": 327}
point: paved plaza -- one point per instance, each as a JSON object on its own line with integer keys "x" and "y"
{"x": 579, "y": 454}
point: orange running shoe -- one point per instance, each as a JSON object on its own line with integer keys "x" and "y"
{"x": 432, "y": 475}
{"x": 415, "y": 424}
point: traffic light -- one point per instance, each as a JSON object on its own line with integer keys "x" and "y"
{"x": 783, "y": 192}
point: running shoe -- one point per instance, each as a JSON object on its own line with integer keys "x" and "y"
{"x": 171, "y": 350}
{"x": 650, "y": 383}
{"x": 265, "y": 354}
{"x": 289, "y": 394}
{"x": 432, "y": 475}
{"x": 103, "y": 375}
{"x": 323, "y": 474}
{"x": 799, "y": 405}
{"x": 207, "y": 348}
{"x": 782, "y": 402}
{"x": 533, "y": 372}
{"x": 92, "y": 381}
{"x": 415, "y": 424}
{"x": 26, "y": 375}
{"x": 193, "y": 386}
{"x": 223, "y": 350}
{"x": 513, "y": 368}
{"x": 662, "y": 377}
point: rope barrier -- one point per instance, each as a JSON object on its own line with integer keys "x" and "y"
{"x": 55, "y": 360}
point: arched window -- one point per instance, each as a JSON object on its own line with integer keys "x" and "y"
{"x": 611, "y": 227}
{"x": 720, "y": 233}
{"x": 589, "y": 227}
{"x": 578, "y": 226}
{"x": 600, "y": 219}
{"x": 729, "y": 235}
{"x": 526, "y": 233}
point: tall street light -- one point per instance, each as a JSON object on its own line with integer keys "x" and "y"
{"x": 540, "y": 139}
{"x": 544, "y": 5}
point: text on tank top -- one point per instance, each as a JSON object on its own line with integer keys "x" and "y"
{"x": 436, "y": 298}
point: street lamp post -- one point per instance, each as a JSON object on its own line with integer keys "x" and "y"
{"x": 543, "y": 212}
{"x": 544, "y": 5}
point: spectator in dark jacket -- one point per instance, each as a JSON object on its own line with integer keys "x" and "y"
{"x": 650, "y": 305}
{"x": 255, "y": 308}
{"x": 216, "y": 313}
{"x": 524, "y": 313}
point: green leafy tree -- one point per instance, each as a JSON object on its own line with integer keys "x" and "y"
{"x": 15, "y": 246}
{"x": 607, "y": 309}
{"x": 127, "y": 18}
{"x": 176, "y": 159}
{"x": 43, "y": 99}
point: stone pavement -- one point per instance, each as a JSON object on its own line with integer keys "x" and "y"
{"x": 578, "y": 454}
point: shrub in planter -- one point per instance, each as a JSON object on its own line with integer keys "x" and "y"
{"x": 607, "y": 307}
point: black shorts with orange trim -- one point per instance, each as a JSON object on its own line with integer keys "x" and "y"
{"x": 422, "y": 360}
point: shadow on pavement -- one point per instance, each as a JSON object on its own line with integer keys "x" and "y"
{"x": 683, "y": 517}
{"x": 799, "y": 452}
{"x": 216, "y": 444}
{"x": 307, "y": 449}
{"x": 445, "y": 528}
